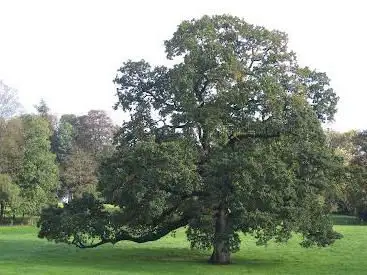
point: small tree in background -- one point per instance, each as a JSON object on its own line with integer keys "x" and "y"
{"x": 38, "y": 178}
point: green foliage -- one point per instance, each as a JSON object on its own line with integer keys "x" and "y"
{"x": 38, "y": 178}
{"x": 85, "y": 214}
{"x": 358, "y": 173}
{"x": 94, "y": 132}
{"x": 11, "y": 159}
{"x": 44, "y": 111}
{"x": 350, "y": 192}
{"x": 79, "y": 173}
{"x": 42, "y": 108}
{"x": 168, "y": 169}
{"x": 228, "y": 140}
{"x": 11, "y": 146}
{"x": 80, "y": 143}
{"x": 9, "y": 194}
{"x": 64, "y": 140}
{"x": 343, "y": 146}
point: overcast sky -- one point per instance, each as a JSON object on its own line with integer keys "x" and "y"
{"x": 67, "y": 52}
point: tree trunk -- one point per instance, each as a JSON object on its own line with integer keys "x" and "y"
{"x": 13, "y": 219}
{"x": 2, "y": 210}
{"x": 221, "y": 252}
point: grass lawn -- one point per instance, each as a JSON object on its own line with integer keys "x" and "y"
{"x": 23, "y": 253}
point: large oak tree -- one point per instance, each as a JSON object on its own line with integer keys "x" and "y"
{"x": 227, "y": 140}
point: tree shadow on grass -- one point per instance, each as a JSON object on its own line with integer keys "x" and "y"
{"x": 130, "y": 259}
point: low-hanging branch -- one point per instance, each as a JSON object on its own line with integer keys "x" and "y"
{"x": 160, "y": 225}
{"x": 123, "y": 235}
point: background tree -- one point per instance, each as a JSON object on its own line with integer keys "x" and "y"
{"x": 43, "y": 110}
{"x": 11, "y": 160}
{"x": 65, "y": 139}
{"x": 9, "y": 193}
{"x": 69, "y": 118}
{"x": 350, "y": 193}
{"x": 343, "y": 143}
{"x": 88, "y": 137}
{"x": 343, "y": 146}
{"x": 38, "y": 178}
{"x": 11, "y": 146}
{"x": 79, "y": 174}
{"x": 94, "y": 132}
{"x": 228, "y": 140}
{"x": 9, "y": 104}
{"x": 357, "y": 189}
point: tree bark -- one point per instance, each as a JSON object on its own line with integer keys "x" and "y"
{"x": 221, "y": 252}
{"x": 2, "y": 210}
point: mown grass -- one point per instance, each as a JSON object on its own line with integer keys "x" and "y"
{"x": 23, "y": 253}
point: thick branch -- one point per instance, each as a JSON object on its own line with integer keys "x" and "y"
{"x": 190, "y": 195}
{"x": 200, "y": 91}
{"x": 153, "y": 235}
{"x": 252, "y": 59}
{"x": 236, "y": 138}
{"x": 177, "y": 126}
{"x": 205, "y": 85}
{"x": 257, "y": 59}
{"x": 159, "y": 100}
{"x": 148, "y": 237}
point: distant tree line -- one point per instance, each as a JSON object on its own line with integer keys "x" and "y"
{"x": 349, "y": 195}
{"x": 46, "y": 160}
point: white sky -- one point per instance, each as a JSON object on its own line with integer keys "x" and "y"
{"x": 67, "y": 52}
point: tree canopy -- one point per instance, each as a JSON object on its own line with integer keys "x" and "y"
{"x": 227, "y": 140}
